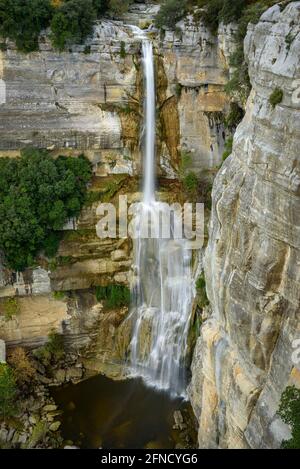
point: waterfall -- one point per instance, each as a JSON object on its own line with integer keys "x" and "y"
{"x": 162, "y": 286}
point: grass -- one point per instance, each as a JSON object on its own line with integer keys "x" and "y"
{"x": 113, "y": 296}
{"x": 59, "y": 295}
{"x": 202, "y": 299}
{"x": 11, "y": 308}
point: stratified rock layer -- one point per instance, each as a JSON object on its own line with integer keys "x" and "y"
{"x": 243, "y": 359}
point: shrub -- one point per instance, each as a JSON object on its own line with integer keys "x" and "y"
{"x": 289, "y": 411}
{"x": 114, "y": 296}
{"x": 276, "y": 97}
{"x": 72, "y": 23}
{"x": 234, "y": 116}
{"x": 122, "y": 50}
{"x": 228, "y": 148}
{"x": 53, "y": 351}
{"x": 11, "y": 308}
{"x": 21, "y": 365}
{"x": 202, "y": 299}
{"x": 22, "y": 21}
{"x": 37, "y": 195}
{"x": 171, "y": 11}
{"x": 190, "y": 183}
{"x": 232, "y": 10}
{"x": 58, "y": 295}
{"x": 119, "y": 7}
{"x": 8, "y": 391}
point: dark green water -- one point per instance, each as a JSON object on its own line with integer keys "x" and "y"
{"x": 103, "y": 413}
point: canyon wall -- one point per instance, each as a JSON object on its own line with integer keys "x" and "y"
{"x": 244, "y": 357}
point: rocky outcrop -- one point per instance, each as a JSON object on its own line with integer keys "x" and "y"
{"x": 244, "y": 356}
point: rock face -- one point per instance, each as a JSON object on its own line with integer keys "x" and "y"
{"x": 244, "y": 357}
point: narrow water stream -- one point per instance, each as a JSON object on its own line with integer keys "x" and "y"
{"x": 110, "y": 414}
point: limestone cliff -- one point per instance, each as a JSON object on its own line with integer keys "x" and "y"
{"x": 243, "y": 359}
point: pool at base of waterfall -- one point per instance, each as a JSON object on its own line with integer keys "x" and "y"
{"x": 102, "y": 413}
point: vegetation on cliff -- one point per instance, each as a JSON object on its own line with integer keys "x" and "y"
{"x": 71, "y": 21}
{"x": 114, "y": 296}
{"x": 37, "y": 196}
{"x": 289, "y": 411}
{"x": 8, "y": 391}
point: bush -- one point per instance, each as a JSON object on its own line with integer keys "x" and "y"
{"x": 114, "y": 296}
{"x": 232, "y": 10}
{"x": 22, "y": 21}
{"x": 119, "y": 7}
{"x": 11, "y": 308}
{"x": 190, "y": 183}
{"x": 202, "y": 299}
{"x": 234, "y": 117}
{"x": 21, "y": 365}
{"x": 53, "y": 351}
{"x": 228, "y": 148}
{"x": 72, "y": 23}
{"x": 122, "y": 50}
{"x": 276, "y": 97}
{"x": 289, "y": 411}
{"x": 37, "y": 195}
{"x": 59, "y": 295}
{"x": 171, "y": 11}
{"x": 8, "y": 391}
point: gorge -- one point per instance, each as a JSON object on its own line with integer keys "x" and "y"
{"x": 219, "y": 325}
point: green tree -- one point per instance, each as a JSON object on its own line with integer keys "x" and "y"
{"x": 119, "y": 7}
{"x": 289, "y": 411}
{"x": 72, "y": 23}
{"x": 171, "y": 11}
{"x": 37, "y": 195}
{"x": 23, "y": 20}
{"x": 8, "y": 391}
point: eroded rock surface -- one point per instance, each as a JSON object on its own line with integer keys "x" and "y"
{"x": 243, "y": 359}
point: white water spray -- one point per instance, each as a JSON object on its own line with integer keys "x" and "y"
{"x": 162, "y": 285}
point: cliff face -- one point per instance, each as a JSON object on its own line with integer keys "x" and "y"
{"x": 243, "y": 359}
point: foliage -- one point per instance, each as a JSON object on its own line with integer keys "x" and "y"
{"x": 122, "y": 50}
{"x": 71, "y": 20}
{"x": 37, "y": 195}
{"x": 289, "y": 411}
{"x": 22, "y": 366}
{"x": 8, "y": 391}
{"x": 59, "y": 295}
{"x": 11, "y": 308}
{"x": 114, "y": 296}
{"x": 22, "y": 21}
{"x": 234, "y": 117}
{"x": 190, "y": 183}
{"x": 276, "y": 97}
{"x": 228, "y": 148}
{"x": 171, "y": 11}
{"x": 119, "y": 7}
{"x": 72, "y": 23}
{"x": 202, "y": 299}
{"x": 53, "y": 351}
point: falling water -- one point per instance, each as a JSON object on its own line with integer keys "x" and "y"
{"x": 162, "y": 284}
